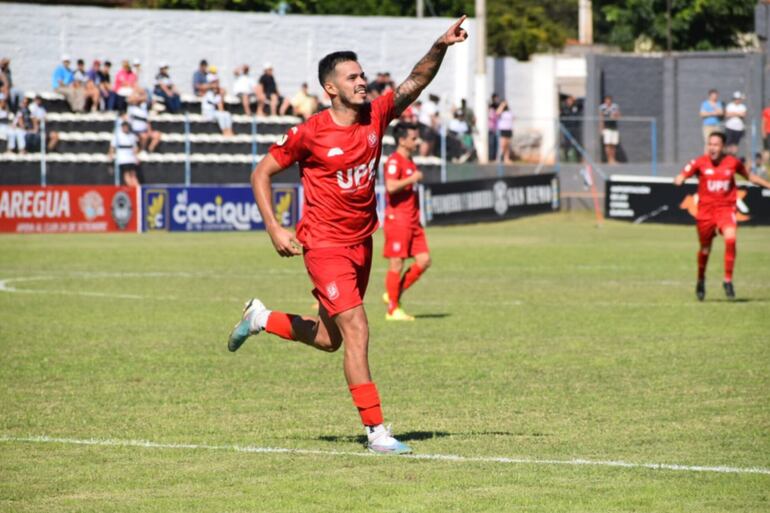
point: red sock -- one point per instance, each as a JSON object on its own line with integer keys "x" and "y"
{"x": 703, "y": 258}
{"x": 411, "y": 276}
{"x": 729, "y": 258}
{"x": 393, "y": 287}
{"x": 279, "y": 323}
{"x": 367, "y": 400}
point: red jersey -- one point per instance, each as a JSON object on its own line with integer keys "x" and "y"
{"x": 716, "y": 181}
{"x": 401, "y": 207}
{"x": 337, "y": 166}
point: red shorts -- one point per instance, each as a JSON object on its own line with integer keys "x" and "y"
{"x": 711, "y": 221}
{"x": 340, "y": 275}
{"x": 404, "y": 241}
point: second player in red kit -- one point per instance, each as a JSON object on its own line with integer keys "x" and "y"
{"x": 717, "y": 197}
{"x": 338, "y": 152}
{"x": 404, "y": 235}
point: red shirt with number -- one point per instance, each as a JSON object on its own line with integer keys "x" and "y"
{"x": 716, "y": 182}
{"x": 402, "y": 207}
{"x": 337, "y": 166}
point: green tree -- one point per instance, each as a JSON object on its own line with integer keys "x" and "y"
{"x": 520, "y": 28}
{"x": 695, "y": 25}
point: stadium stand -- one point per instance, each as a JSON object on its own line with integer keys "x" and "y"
{"x": 81, "y": 155}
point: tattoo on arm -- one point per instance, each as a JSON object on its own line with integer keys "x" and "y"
{"x": 421, "y": 75}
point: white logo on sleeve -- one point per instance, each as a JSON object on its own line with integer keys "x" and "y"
{"x": 392, "y": 169}
{"x": 334, "y": 152}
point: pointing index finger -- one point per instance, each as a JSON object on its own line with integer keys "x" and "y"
{"x": 459, "y": 22}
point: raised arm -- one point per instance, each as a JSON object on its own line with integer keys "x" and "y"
{"x": 424, "y": 71}
{"x": 757, "y": 180}
{"x": 284, "y": 241}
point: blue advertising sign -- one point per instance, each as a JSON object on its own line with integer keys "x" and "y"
{"x": 218, "y": 208}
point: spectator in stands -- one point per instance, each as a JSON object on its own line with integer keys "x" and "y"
{"x": 200, "y": 79}
{"x": 17, "y": 131}
{"x": 125, "y": 81}
{"x": 165, "y": 88}
{"x": 735, "y": 124}
{"x": 109, "y": 97}
{"x": 124, "y": 148}
{"x": 245, "y": 88}
{"x": 429, "y": 125}
{"x": 138, "y": 114}
{"x": 81, "y": 81}
{"x": 269, "y": 94}
{"x": 505, "y": 128}
{"x": 5, "y": 122}
{"x": 13, "y": 95}
{"x": 304, "y": 104}
{"x": 609, "y": 113}
{"x": 38, "y": 115}
{"x": 569, "y": 116}
{"x": 458, "y": 128}
{"x": 711, "y": 113}
{"x": 213, "y": 107}
{"x": 492, "y": 133}
{"x": 93, "y": 82}
{"x": 62, "y": 83}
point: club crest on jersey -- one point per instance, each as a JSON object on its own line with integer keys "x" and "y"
{"x": 396, "y": 246}
{"x": 356, "y": 177}
{"x": 332, "y": 291}
{"x": 372, "y": 139}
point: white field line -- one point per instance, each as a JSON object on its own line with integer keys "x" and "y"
{"x": 432, "y": 457}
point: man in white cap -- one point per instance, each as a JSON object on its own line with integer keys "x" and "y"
{"x": 268, "y": 93}
{"x": 735, "y": 126}
{"x": 61, "y": 82}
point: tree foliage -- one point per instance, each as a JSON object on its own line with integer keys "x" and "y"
{"x": 520, "y": 28}
{"x": 695, "y": 25}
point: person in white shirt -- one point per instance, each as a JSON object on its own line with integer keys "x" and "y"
{"x": 429, "y": 123}
{"x": 213, "y": 107}
{"x": 245, "y": 88}
{"x": 124, "y": 149}
{"x": 38, "y": 114}
{"x": 138, "y": 115}
{"x": 6, "y": 132}
{"x": 505, "y": 127}
{"x": 735, "y": 126}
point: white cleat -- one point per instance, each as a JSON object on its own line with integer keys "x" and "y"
{"x": 381, "y": 441}
{"x": 252, "y": 321}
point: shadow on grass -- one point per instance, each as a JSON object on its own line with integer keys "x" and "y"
{"x": 412, "y": 436}
{"x": 432, "y": 316}
{"x": 740, "y": 300}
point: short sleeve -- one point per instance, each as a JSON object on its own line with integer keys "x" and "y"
{"x": 384, "y": 108}
{"x": 392, "y": 171}
{"x": 740, "y": 169}
{"x": 690, "y": 169}
{"x": 290, "y": 148}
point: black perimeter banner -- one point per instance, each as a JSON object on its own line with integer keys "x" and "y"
{"x": 492, "y": 199}
{"x": 657, "y": 200}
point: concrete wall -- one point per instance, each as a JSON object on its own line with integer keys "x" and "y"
{"x": 35, "y": 36}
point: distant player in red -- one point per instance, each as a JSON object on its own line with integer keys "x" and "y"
{"x": 404, "y": 236}
{"x": 338, "y": 151}
{"x": 716, "y": 205}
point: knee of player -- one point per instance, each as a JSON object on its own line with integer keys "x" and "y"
{"x": 424, "y": 262}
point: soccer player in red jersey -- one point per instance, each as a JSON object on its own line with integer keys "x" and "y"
{"x": 716, "y": 205}
{"x": 404, "y": 236}
{"x": 338, "y": 151}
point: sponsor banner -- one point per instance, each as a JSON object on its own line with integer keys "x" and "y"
{"x": 490, "y": 199}
{"x": 642, "y": 199}
{"x": 213, "y": 208}
{"x": 68, "y": 209}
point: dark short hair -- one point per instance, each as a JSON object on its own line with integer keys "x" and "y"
{"x": 402, "y": 129}
{"x": 203, "y": 63}
{"x": 719, "y": 134}
{"x": 327, "y": 64}
{"x": 80, "y": 61}
{"x": 107, "y": 63}
{"x": 713, "y": 91}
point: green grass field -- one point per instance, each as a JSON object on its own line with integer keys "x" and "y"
{"x": 543, "y": 339}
